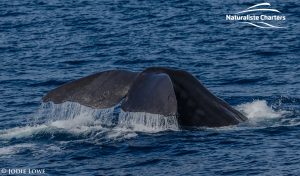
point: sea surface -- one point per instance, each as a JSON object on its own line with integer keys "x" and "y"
{"x": 46, "y": 43}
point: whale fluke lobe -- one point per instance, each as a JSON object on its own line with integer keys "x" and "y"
{"x": 196, "y": 105}
{"x": 156, "y": 90}
{"x": 152, "y": 93}
{"x": 100, "y": 90}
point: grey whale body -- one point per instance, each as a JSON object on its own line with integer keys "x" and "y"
{"x": 156, "y": 90}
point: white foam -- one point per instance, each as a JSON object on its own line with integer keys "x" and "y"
{"x": 121, "y": 133}
{"x": 20, "y": 132}
{"x": 71, "y": 117}
{"x": 259, "y": 110}
{"x": 147, "y": 122}
{"x": 6, "y": 151}
{"x": 13, "y": 149}
{"x": 77, "y": 119}
{"x": 72, "y": 110}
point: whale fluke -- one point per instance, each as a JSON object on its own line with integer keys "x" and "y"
{"x": 100, "y": 90}
{"x": 196, "y": 105}
{"x": 152, "y": 93}
{"x": 156, "y": 90}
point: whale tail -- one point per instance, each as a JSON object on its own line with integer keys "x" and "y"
{"x": 156, "y": 90}
{"x": 101, "y": 90}
{"x": 152, "y": 93}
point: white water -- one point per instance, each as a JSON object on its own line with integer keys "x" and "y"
{"x": 69, "y": 117}
{"x": 9, "y": 150}
{"x": 259, "y": 110}
{"x": 77, "y": 119}
{"x": 75, "y": 112}
{"x": 142, "y": 121}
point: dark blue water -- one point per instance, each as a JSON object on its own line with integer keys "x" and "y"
{"x": 45, "y": 43}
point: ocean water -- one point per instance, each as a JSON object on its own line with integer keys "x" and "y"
{"x": 45, "y": 43}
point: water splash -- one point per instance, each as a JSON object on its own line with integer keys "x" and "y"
{"x": 79, "y": 114}
{"x": 75, "y": 119}
{"x": 259, "y": 110}
{"x": 21, "y": 132}
{"x": 260, "y": 116}
{"x": 66, "y": 117}
{"x": 142, "y": 121}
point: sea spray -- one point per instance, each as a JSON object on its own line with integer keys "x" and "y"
{"x": 142, "y": 121}
{"x": 67, "y": 117}
{"x": 259, "y": 109}
{"x": 71, "y": 110}
{"x": 75, "y": 119}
